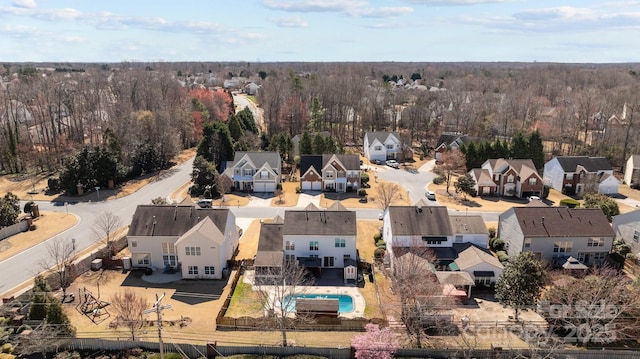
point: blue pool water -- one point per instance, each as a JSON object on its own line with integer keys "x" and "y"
{"x": 345, "y": 302}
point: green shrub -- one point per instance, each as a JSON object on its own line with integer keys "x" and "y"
{"x": 381, "y": 244}
{"x": 362, "y": 192}
{"x": 439, "y": 179}
{"x": 569, "y": 202}
{"x": 279, "y": 186}
{"x": 377, "y": 237}
{"x": 298, "y": 190}
{"x": 502, "y": 256}
{"x": 379, "y": 252}
{"x": 497, "y": 244}
{"x": 492, "y": 232}
{"x": 54, "y": 184}
{"x": 6, "y": 348}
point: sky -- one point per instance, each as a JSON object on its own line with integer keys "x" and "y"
{"x": 568, "y": 31}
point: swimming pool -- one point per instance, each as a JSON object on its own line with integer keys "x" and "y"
{"x": 345, "y": 302}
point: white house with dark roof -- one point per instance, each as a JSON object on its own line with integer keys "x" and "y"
{"x": 632, "y": 171}
{"x": 451, "y": 141}
{"x": 580, "y": 174}
{"x": 255, "y": 171}
{"x": 197, "y": 241}
{"x": 557, "y": 232}
{"x": 469, "y": 229}
{"x": 483, "y": 267}
{"x": 383, "y": 146}
{"x": 627, "y": 227}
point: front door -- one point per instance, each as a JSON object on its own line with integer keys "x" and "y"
{"x": 329, "y": 261}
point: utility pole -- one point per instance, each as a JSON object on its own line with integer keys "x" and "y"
{"x": 157, "y": 308}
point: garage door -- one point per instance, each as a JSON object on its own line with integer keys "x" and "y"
{"x": 306, "y": 185}
{"x": 608, "y": 189}
{"x": 269, "y": 187}
{"x": 316, "y": 186}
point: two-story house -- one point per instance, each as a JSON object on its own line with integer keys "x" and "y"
{"x": 336, "y": 173}
{"x": 580, "y": 174}
{"x": 555, "y": 233}
{"x": 632, "y": 171}
{"x": 313, "y": 238}
{"x": 255, "y": 171}
{"x": 197, "y": 241}
{"x": 383, "y": 146}
{"x": 451, "y": 141}
{"x": 513, "y": 178}
{"x": 627, "y": 227}
{"x": 407, "y": 228}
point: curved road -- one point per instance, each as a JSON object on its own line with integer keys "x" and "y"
{"x": 22, "y": 267}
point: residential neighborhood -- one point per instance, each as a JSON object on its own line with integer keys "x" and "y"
{"x": 304, "y": 233}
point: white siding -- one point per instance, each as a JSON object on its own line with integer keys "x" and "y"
{"x": 553, "y": 174}
{"x": 151, "y": 245}
{"x": 326, "y": 247}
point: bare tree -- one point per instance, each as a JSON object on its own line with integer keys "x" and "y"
{"x": 60, "y": 256}
{"x": 452, "y": 162}
{"x": 42, "y": 340}
{"x": 387, "y": 193}
{"x": 278, "y": 295}
{"x": 129, "y": 309}
{"x": 105, "y": 224}
{"x": 422, "y": 300}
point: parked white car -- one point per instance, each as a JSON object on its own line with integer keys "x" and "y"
{"x": 393, "y": 163}
{"x": 431, "y": 195}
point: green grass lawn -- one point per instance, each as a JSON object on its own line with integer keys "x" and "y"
{"x": 244, "y": 302}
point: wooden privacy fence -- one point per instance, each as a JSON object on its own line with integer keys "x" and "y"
{"x": 211, "y": 350}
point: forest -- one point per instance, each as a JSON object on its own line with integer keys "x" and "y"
{"x": 132, "y": 118}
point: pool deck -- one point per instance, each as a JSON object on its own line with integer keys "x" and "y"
{"x": 348, "y": 289}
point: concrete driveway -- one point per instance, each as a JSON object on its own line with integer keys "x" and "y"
{"x": 414, "y": 180}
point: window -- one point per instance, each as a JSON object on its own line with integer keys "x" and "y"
{"x": 329, "y": 261}
{"x": 527, "y": 243}
{"x": 568, "y": 176}
{"x": 329, "y": 174}
{"x": 434, "y": 240}
{"x": 264, "y": 174}
{"x": 389, "y": 147}
{"x": 313, "y": 256}
{"x": 485, "y": 281}
{"x": 346, "y": 256}
{"x": 562, "y": 247}
{"x": 193, "y": 269}
{"x": 636, "y": 235}
{"x": 533, "y": 181}
{"x": 313, "y": 245}
{"x": 248, "y": 171}
{"x": 377, "y": 148}
{"x": 289, "y": 258}
{"x": 458, "y": 239}
{"x": 599, "y": 256}
{"x": 144, "y": 259}
{"x": 209, "y": 270}
{"x": 581, "y": 175}
{"x": 496, "y": 177}
{"x": 170, "y": 260}
{"x": 134, "y": 244}
{"x": 595, "y": 242}
{"x": 192, "y": 251}
{"x": 341, "y": 243}
{"x": 510, "y": 179}
{"x": 168, "y": 248}
{"x": 290, "y": 246}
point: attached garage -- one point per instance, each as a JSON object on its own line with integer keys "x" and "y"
{"x": 311, "y": 186}
{"x": 264, "y": 187}
{"x": 316, "y": 186}
{"x": 306, "y": 185}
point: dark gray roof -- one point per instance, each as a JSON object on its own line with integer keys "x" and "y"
{"x": 307, "y": 161}
{"x": 468, "y": 225}
{"x": 423, "y": 221}
{"x": 270, "y": 237}
{"x": 380, "y": 136}
{"x": 350, "y": 162}
{"x": 562, "y": 222}
{"x": 320, "y": 223}
{"x": 173, "y": 221}
{"x": 447, "y": 139}
{"x": 591, "y": 164}
{"x": 259, "y": 159}
{"x": 269, "y": 259}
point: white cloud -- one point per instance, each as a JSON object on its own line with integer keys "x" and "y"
{"x": 314, "y": 5}
{"x": 293, "y": 21}
{"x": 454, "y": 2}
{"x": 382, "y": 12}
{"x": 27, "y": 4}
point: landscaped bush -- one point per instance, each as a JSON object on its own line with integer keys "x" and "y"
{"x": 569, "y": 202}
{"x": 502, "y": 256}
{"x": 496, "y": 244}
{"x": 54, "y": 184}
{"x": 377, "y": 237}
{"x": 545, "y": 191}
{"x": 279, "y": 186}
{"x": 362, "y": 192}
{"x": 298, "y": 190}
{"x": 439, "y": 180}
{"x": 381, "y": 244}
{"x": 379, "y": 252}
{"x": 492, "y": 232}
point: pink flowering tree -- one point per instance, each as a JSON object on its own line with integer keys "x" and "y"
{"x": 376, "y": 343}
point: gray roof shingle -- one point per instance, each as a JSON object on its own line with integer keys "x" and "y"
{"x": 259, "y": 159}
{"x": 591, "y": 164}
{"x": 320, "y": 222}
{"x": 425, "y": 221}
{"x": 168, "y": 220}
{"x": 562, "y": 222}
